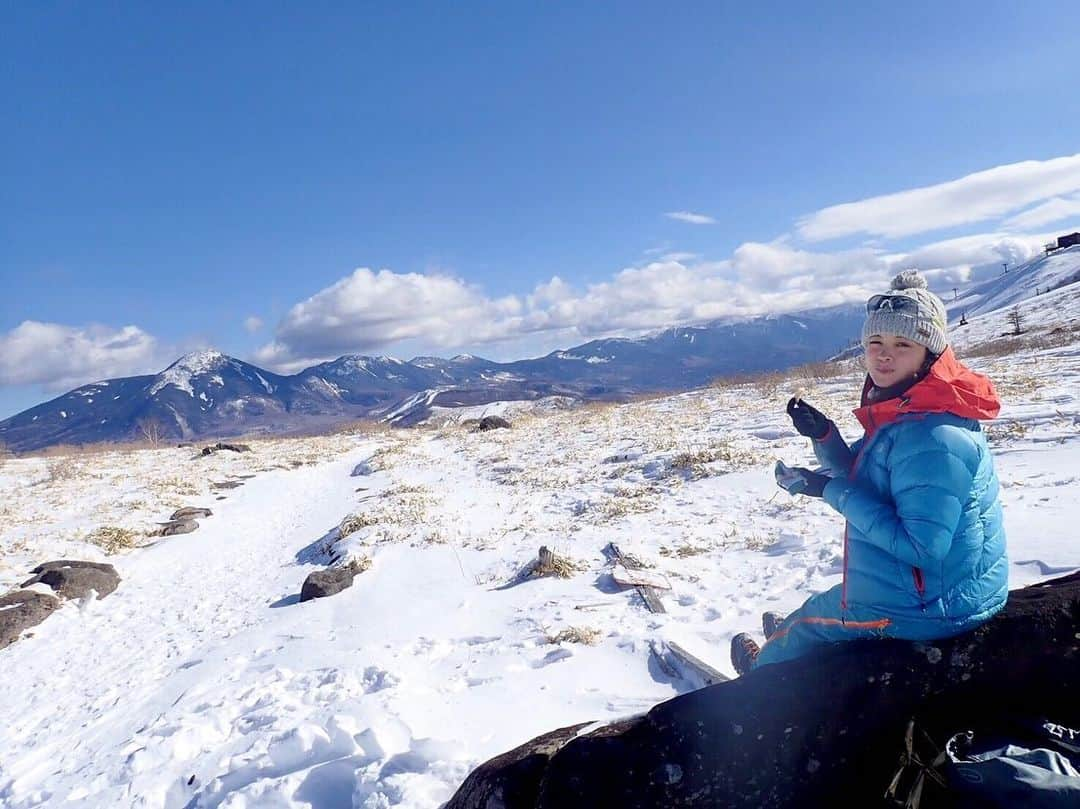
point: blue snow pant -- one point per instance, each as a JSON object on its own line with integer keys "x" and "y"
{"x": 820, "y": 621}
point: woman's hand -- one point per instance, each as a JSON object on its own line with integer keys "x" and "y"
{"x": 808, "y": 420}
{"x": 797, "y": 480}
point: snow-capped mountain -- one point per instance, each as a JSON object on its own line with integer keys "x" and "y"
{"x": 200, "y": 393}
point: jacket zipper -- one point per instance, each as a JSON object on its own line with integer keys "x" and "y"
{"x": 843, "y": 587}
{"x": 920, "y": 585}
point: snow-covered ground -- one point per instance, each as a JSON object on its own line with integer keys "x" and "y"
{"x": 201, "y": 682}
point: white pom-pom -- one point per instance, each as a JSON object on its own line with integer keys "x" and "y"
{"x": 909, "y": 279}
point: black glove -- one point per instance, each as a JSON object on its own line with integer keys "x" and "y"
{"x": 798, "y": 480}
{"x": 808, "y": 420}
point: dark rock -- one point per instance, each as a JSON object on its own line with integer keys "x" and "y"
{"x": 189, "y": 513}
{"x": 20, "y": 610}
{"x": 819, "y": 731}
{"x": 175, "y": 527}
{"x": 75, "y": 579}
{"x": 184, "y": 444}
{"x": 492, "y": 423}
{"x": 326, "y": 582}
{"x": 59, "y": 564}
{"x": 513, "y": 778}
{"x": 221, "y": 446}
{"x": 226, "y": 484}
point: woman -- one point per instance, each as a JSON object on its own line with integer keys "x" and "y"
{"x": 924, "y": 545}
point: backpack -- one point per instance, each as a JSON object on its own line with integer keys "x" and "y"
{"x": 1029, "y": 763}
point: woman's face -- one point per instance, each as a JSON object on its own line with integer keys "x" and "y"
{"x": 891, "y": 359}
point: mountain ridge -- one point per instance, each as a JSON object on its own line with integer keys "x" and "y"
{"x": 209, "y": 393}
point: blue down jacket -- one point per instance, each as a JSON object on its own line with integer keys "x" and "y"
{"x": 924, "y": 538}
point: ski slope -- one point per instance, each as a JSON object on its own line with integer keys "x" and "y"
{"x": 201, "y": 682}
{"x": 1041, "y": 274}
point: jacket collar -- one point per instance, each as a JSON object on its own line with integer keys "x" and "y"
{"x": 948, "y": 387}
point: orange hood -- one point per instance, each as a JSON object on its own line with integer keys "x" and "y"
{"x": 949, "y": 387}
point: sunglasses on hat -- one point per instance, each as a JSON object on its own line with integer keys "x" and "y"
{"x": 892, "y": 303}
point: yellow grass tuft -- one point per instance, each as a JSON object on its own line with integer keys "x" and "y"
{"x": 577, "y": 634}
{"x": 112, "y": 539}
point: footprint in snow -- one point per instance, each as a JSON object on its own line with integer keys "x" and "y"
{"x": 553, "y": 656}
{"x": 787, "y": 543}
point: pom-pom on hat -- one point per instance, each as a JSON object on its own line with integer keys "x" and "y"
{"x": 909, "y": 309}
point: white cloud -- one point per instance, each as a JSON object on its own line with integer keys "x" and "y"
{"x": 970, "y": 251}
{"x": 253, "y": 324}
{"x": 691, "y": 218}
{"x": 974, "y": 198}
{"x": 1053, "y": 210}
{"x": 368, "y": 310}
{"x": 59, "y": 357}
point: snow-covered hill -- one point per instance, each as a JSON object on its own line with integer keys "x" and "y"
{"x": 201, "y": 682}
{"x": 1040, "y": 275}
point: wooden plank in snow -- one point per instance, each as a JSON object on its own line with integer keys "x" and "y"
{"x": 702, "y": 669}
{"x": 648, "y": 594}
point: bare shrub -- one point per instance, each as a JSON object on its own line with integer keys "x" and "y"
{"x": 151, "y": 430}
{"x": 828, "y": 369}
{"x": 768, "y": 383}
{"x": 59, "y": 470}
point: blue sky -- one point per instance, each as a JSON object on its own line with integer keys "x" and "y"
{"x": 292, "y": 182}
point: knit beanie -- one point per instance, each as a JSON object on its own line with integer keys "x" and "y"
{"x": 908, "y": 310}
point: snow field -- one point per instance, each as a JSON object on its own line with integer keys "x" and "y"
{"x": 201, "y": 682}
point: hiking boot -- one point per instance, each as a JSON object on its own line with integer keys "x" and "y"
{"x": 744, "y": 651}
{"x": 770, "y": 622}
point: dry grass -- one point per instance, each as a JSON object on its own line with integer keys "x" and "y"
{"x": 577, "y": 634}
{"x": 773, "y": 384}
{"x": 1006, "y": 346}
{"x": 552, "y": 564}
{"x": 175, "y": 487}
{"x": 362, "y": 427}
{"x": 684, "y": 551}
{"x": 701, "y": 462}
{"x": 625, "y": 501}
{"x": 61, "y": 469}
{"x": 354, "y": 522}
{"x": 1003, "y": 432}
{"x": 358, "y": 564}
{"x": 113, "y": 539}
{"x": 94, "y": 449}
